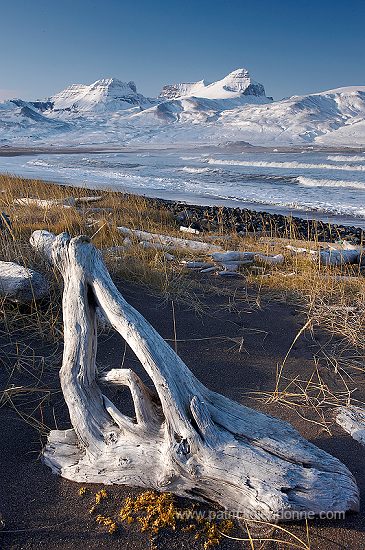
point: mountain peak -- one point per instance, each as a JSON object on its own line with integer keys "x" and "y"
{"x": 242, "y": 73}
{"x": 102, "y": 95}
{"x": 114, "y": 83}
{"x": 172, "y": 91}
{"x": 240, "y": 81}
{"x": 236, "y": 84}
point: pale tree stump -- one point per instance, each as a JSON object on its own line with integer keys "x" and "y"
{"x": 186, "y": 439}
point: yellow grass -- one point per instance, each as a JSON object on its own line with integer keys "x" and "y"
{"x": 330, "y": 298}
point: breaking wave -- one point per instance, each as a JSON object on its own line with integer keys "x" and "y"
{"x": 328, "y": 209}
{"x": 194, "y": 170}
{"x": 191, "y": 158}
{"x": 347, "y": 158}
{"x": 313, "y": 182}
{"x": 38, "y": 162}
{"x": 108, "y": 163}
{"x": 292, "y": 164}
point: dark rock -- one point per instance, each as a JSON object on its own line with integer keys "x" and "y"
{"x": 244, "y": 221}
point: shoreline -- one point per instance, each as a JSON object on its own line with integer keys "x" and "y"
{"x": 241, "y": 219}
{"x": 247, "y": 221}
{"x": 206, "y": 202}
{"x": 10, "y": 150}
{"x": 244, "y": 216}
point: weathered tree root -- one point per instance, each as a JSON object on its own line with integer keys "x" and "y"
{"x": 186, "y": 439}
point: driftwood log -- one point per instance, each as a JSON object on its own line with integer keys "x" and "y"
{"x": 338, "y": 257}
{"x": 20, "y": 284}
{"x": 191, "y": 230}
{"x": 167, "y": 242}
{"x": 331, "y": 256}
{"x": 276, "y": 259}
{"x": 352, "y": 420}
{"x": 88, "y": 200}
{"x": 68, "y": 202}
{"x": 185, "y": 438}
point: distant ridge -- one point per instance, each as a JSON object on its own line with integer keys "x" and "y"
{"x": 233, "y": 109}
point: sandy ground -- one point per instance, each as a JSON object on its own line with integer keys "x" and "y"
{"x": 43, "y": 511}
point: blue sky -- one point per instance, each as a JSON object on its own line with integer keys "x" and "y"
{"x": 292, "y": 47}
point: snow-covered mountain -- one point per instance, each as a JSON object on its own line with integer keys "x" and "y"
{"x": 234, "y": 108}
{"x": 332, "y": 117}
{"x": 236, "y": 84}
{"x": 106, "y": 94}
{"x": 21, "y": 122}
{"x": 317, "y": 117}
{"x": 203, "y": 101}
{"x": 181, "y": 89}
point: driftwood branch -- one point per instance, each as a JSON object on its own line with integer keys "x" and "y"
{"x": 184, "y": 438}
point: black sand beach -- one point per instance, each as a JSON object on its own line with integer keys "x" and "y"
{"x": 41, "y": 510}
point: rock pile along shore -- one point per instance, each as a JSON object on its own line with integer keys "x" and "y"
{"x": 244, "y": 221}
